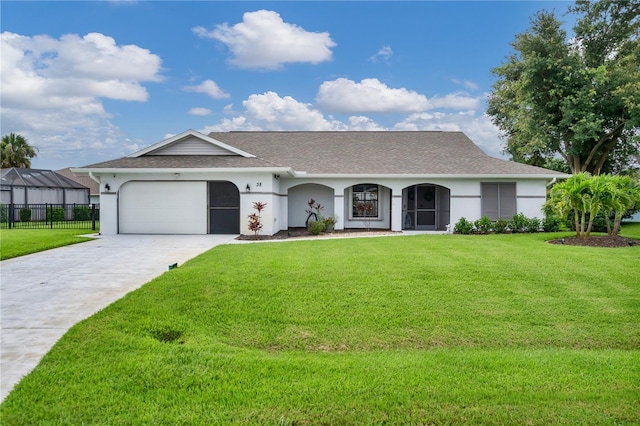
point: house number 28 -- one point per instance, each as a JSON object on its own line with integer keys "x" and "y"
{"x": 258, "y": 184}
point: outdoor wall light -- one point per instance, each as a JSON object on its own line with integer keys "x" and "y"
{"x": 107, "y": 187}
{"x": 276, "y": 176}
{"x": 248, "y": 188}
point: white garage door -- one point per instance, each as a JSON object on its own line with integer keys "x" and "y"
{"x": 163, "y": 208}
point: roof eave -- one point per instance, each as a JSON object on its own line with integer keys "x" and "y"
{"x": 302, "y": 174}
{"x": 182, "y": 170}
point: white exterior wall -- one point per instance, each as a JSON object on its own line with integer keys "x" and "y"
{"x": 299, "y": 197}
{"x": 531, "y": 195}
{"x": 283, "y": 198}
{"x": 108, "y": 213}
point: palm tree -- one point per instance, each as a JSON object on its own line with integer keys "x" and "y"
{"x": 16, "y": 151}
{"x": 572, "y": 195}
{"x": 627, "y": 196}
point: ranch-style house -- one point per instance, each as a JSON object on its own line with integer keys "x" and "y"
{"x": 193, "y": 183}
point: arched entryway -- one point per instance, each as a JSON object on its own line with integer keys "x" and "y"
{"x": 224, "y": 208}
{"x": 425, "y": 207}
{"x": 298, "y": 202}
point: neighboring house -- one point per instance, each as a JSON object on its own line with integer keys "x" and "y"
{"x": 34, "y": 186}
{"x": 94, "y": 186}
{"x": 192, "y": 183}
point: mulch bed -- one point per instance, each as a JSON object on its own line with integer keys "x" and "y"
{"x": 597, "y": 241}
{"x": 304, "y": 233}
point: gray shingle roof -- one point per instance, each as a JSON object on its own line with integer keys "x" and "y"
{"x": 37, "y": 178}
{"x": 375, "y": 153}
{"x": 93, "y": 186}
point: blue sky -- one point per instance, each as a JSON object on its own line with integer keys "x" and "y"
{"x": 92, "y": 81}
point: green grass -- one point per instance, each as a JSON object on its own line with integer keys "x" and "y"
{"x": 501, "y": 329}
{"x": 631, "y": 229}
{"x": 18, "y": 242}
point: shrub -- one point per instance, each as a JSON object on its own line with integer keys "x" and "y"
{"x": 483, "y": 225}
{"x": 329, "y": 223}
{"x": 501, "y": 226}
{"x": 463, "y": 226}
{"x": 533, "y": 225}
{"x": 551, "y": 223}
{"x": 316, "y": 226}
{"x": 25, "y": 215}
{"x": 518, "y": 223}
{"x": 81, "y": 213}
{"x": 55, "y": 214}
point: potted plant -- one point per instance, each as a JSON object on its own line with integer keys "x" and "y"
{"x": 330, "y": 223}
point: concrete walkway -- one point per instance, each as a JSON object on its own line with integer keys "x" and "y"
{"x": 42, "y": 295}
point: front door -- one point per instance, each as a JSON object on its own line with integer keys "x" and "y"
{"x": 224, "y": 208}
{"x": 425, "y": 207}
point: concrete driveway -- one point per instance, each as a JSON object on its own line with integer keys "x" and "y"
{"x": 42, "y": 295}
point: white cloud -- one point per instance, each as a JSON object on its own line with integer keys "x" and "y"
{"x": 269, "y": 111}
{"x": 361, "y": 123}
{"x": 372, "y": 96}
{"x": 263, "y": 40}
{"x": 51, "y": 89}
{"x": 210, "y": 88}
{"x": 454, "y": 101}
{"x": 384, "y": 55}
{"x": 368, "y": 96}
{"x": 480, "y": 129}
{"x": 468, "y": 84}
{"x": 200, "y": 111}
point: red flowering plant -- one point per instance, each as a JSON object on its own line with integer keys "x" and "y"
{"x": 255, "y": 222}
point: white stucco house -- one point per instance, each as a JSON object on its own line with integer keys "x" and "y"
{"x": 193, "y": 183}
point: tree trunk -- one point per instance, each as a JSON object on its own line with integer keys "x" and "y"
{"x": 576, "y": 219}
{"x": 616, "y": 224}
{"x": 609, "y": 141}
{"x": 588, "y": 233}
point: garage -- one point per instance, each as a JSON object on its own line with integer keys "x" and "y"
{"x": 163, "y": 207}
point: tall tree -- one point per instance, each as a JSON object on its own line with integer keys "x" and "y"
{"x": 576, "y": 98}
{"x": 16, "y": 151}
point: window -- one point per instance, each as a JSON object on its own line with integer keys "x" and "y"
{"x": 498, "y": 200}
{"x": 364, "y": 201}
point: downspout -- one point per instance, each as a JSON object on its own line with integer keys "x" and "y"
{"x": 552, "y": 182}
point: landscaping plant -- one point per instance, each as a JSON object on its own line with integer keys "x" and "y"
{"x": 585, "y": 197}
{"x": 313, "y": 211}
{"x": 255, "y": 220}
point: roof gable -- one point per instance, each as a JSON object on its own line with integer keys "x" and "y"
{"x": 190, "y": 142}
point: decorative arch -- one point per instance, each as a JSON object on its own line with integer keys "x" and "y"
{"x": 368, "y": 205}
{"x": 426, "y": 206}
{"x": 298, "y": 202}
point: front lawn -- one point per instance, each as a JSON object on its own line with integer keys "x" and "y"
{"x": 446, "y": 329}
{"x": 18, "y": 242}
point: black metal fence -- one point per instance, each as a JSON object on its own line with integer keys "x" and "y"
{"x": 41, "y": 216}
